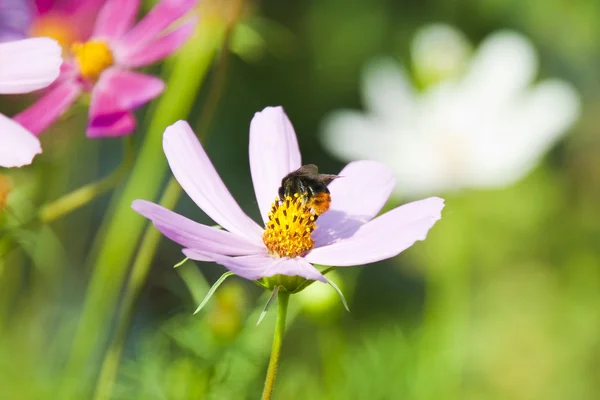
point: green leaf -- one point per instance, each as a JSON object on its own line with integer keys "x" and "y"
{"x": 267, "y": 305}
{"x": 213, "y": 290}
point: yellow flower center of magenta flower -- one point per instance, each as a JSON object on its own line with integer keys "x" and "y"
{"x": 291, "y": 222}
{"x": 93, "y": 57}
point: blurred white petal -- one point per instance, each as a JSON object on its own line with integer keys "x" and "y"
{"x": 487, "y": 129}
{"x": 352, "y": 135}
{"x": 18, "y": 145}
{"x": 504, "y": 64}
{"x": 536, "y": 121}
{"x": 387, "y": 91}
{"x": 439, "y": 51}
{"x": 29, "y": 64}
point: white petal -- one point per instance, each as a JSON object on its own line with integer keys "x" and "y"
{"x": 387, "y": 91}
{"x": 192, "y": 234}
{"x": 439, "y": 51}
{"x": 357, "y": 196}
{"x": 351, "y": 135}
{"x": 536, "y": 121}
{"x": 260, "y": 265}
{"x": 196, "y": 174}
{"x": 17, "y": 145}
{"x": 505, "y": 63}
{"x": 29, "y": 64}
{"x": 274, "y": 153}
{"x": 383, "y": 237}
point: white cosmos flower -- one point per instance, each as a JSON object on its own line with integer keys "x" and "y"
{"x": 25, "y": 65}
{"x": 485, "y": 127}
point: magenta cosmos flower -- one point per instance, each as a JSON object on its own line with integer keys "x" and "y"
{"x": 102, "y": 65}
{"x": 290, "y": 239}
{"x": 26, "y": 65}
{"x": 65, "y": 21}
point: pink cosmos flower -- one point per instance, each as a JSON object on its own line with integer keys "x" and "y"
{"x": 26, "y": 65}
{"x": 102, "y": 65}
{"x": 65, "y": 21}
{"x": 346, "y": 235}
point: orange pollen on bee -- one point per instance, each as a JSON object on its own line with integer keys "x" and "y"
{"x": 93, "y": 57}
{"x": 320, "y": 202}
{"x": 291, "y": 223}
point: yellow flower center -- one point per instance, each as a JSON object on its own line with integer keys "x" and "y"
{"x": 93, "y": 57}
{"x": 291, "y": 222}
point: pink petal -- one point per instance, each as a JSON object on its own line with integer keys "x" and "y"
{"x": 157, "y": 49}
{"x": 119, "y": 91}
{"x": 383, "y": 237}
{"x": 274, "y": 153}
{"x": 80, "y": 15}
{"x": 260, "y": 265}
{"x": 29, "y": 64}
{"x": 249, "y": 267}
{"x": 115, "y": 18}
{"x": 297, "y": 266}
{"x": 196, "y": 174}
{"x": 18, "y": 146}
{"x": 356, "y": 197}
{"x": 194, "y": 235}
{"x": 111, "y": 125}
{"x": 44, "y": 112}
{"x": 154, "y": 23}
{"x": 114, "y": 96}
{"x": 70, "y": 7}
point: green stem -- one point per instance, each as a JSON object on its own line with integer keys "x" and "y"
{"x": 80, "y": 197}
{"x": 136, "y": 280}
{"x": 120, "y": 234}
{"x": 282, "y": 305}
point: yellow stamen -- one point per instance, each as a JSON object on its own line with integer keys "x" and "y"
{"x": 93, "y": 57}
{"x": 291, "y": 222}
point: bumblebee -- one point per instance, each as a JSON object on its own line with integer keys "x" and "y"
{"x": 310, "y": 185}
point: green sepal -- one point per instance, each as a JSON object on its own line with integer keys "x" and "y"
{"x": 268, "y": 304}
{"x": 339, "y": 292}
{"x": 180, "y": 263}
{"x": 213, "y": 290}
{"x": 307, "y": 282}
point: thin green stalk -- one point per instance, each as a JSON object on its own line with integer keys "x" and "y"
{"x": 80, "y": 197}
{"x": 282, "y": 305}
{"x": 120, "y": 234}
{"x": 110, "y": 365}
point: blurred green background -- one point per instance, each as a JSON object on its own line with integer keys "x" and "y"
{"x": 502, "y": 301}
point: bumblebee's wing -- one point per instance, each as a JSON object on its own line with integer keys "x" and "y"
{"x": 327, "y": 178}
{"x": 309, "y": 170}
{"x": 312, "y": 171}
